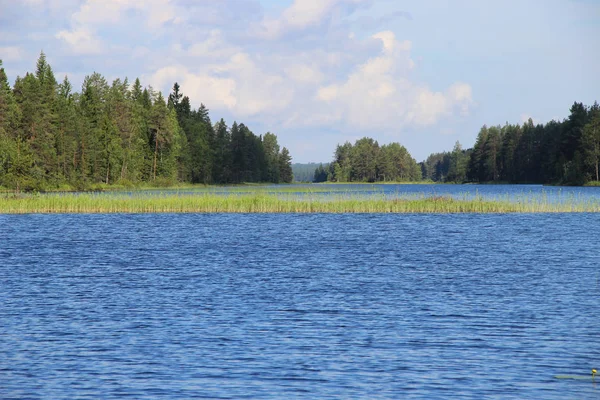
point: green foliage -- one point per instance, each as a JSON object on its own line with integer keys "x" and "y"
{"x": 566, "y": 152}
{"x": 285, "y": 166}
{"x": 448, "y": 166}
{"x": 436, "y": 167}
{"x": 120, "y": 134}
{"x": 272, "y": 153}
{"x": 591, "y": 142}
{"x": 366, "y": 161}
{"x": 222, "y": 161}
{"x": 320, "y": 174}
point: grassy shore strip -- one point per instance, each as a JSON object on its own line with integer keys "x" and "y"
{"x": 264, "y": 203}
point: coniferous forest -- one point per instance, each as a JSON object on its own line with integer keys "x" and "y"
{"x": 565, "y": 152}
{"x": 53, "y": 137}
{"x": 559, "y": 152}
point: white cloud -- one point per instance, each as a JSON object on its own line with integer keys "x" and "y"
{"x": 139, "y": 52}
{"x": 303, "y": 88}
{"x": 81, "y": 41}
{"x": 301, "y": 15}
{"x": 379, "y": 93}
{"x": 50, "y": 4}
{"x": 99, "y": 12}
{"x": 257, "y": 91}
{"x": 95, "y": 14}
{"x": 303, "y": 73}
{"x": 215, "y": 92}
{"x": 214, "y": 46}
{"x": 11, "y": 53}
{"x": 240, "y": 85}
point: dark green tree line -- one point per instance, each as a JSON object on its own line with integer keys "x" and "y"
{"x": 564, "y": 152}
{"x": 447, "y": 166}
{"x": 558, "y": 152}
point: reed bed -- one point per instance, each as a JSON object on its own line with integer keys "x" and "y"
{"x": 272, "y": 203}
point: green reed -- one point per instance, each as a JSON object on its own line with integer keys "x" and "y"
{"x": 258, "y": 202}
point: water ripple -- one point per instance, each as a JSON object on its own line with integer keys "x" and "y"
{"x": 298, "y": 306}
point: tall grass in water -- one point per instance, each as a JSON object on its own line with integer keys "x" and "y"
{"x": 282, "y": 203}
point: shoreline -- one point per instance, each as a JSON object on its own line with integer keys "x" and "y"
{"x": 301, "y": 186}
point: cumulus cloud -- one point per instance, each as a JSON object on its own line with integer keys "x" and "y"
{"x": 304, "y": 89}
{"x": 212, "y": 90}
{"x": 81, "y": 41}
{"x": 379, "y": 92}
{"x": 238, "y": 85}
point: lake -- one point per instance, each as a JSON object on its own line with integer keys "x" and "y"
{"x": 299, "y": 306}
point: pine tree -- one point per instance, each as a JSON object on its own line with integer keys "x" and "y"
{"x": 271, "y": 149}
{"x": 15, "y": 158}
{"x": 458, "y": 164}
{"x": 93, "y": 137}
{"x": 66, "y": 140}
{"x": 238, "y": 155}
{"x": 591, "y": 141}
{"x": 285, "y": 166}
{"x": 363, "y": 159}
{"x": 222, "y": 159}
{"x": 158, "y": 131}
{"x": 476, "y": 170}
{"x": 8, "y": 108}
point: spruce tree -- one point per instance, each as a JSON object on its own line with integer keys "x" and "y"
{"x": 285, "y": 166}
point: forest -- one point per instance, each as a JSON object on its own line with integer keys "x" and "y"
{"x": 52, "y": 137}
{"x": 559, "y": 152}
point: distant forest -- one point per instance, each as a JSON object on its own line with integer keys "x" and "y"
{"x": 311, "y": 172}
{"x": 566, "y": 152}
{"x": 52, "y": 137}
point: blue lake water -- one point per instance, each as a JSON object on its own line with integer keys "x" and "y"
{"x": 299, "y": 306}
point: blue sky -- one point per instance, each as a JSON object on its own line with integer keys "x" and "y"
{"x": 320, "y": 72}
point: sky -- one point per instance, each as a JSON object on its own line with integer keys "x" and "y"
{"x": 317, "y": 73}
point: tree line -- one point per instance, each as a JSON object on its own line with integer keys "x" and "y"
{"x": 447, "y": 166}
{"x": 559, "y": 152}
{"x": 53, "y": 137}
